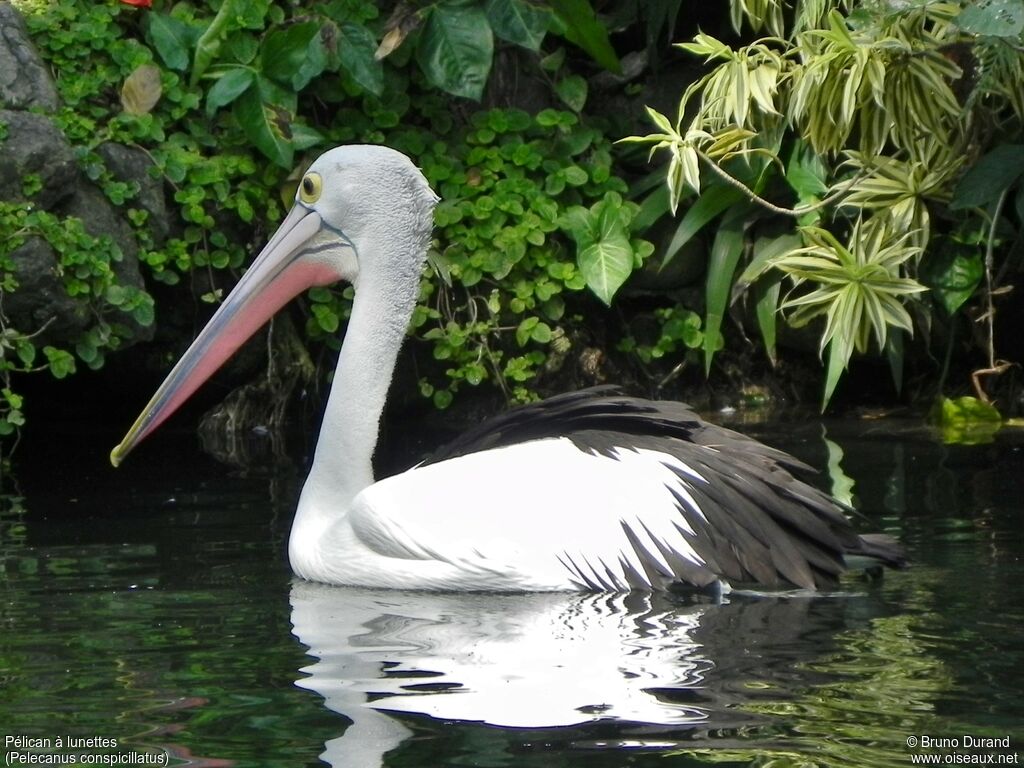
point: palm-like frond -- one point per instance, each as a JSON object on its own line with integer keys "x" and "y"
{"x": 858, "y": 286}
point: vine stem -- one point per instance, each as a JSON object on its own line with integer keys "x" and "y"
{"x": 754, "y": 197}
{"x": 995, "y": 367}
{"x": 990, "y": 308}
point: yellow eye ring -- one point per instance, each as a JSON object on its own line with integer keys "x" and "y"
{"x": 310, "y": 188}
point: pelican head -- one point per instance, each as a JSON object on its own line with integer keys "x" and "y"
{"x": 362, "y": 213}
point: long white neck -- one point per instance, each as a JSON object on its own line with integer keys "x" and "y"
{"x": 342, "y": 465}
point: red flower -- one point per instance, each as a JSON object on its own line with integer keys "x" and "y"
{"x": 139, "y": 3}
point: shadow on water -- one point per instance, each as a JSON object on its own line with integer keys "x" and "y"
{"x": 154, "y": 606}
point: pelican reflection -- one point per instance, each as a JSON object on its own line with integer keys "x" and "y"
{"x": 551, "y": 660}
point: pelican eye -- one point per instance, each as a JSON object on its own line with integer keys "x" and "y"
{"x": 310, "y": 188}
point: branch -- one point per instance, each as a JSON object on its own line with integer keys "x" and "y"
{"x": 754, "y": 197}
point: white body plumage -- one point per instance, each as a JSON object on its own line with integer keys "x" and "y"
{"x": 522, "y": 517}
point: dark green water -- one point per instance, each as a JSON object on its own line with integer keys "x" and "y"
{"x": 153, "y": 606}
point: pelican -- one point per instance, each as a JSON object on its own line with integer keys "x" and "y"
{"x": 589, "y": 490}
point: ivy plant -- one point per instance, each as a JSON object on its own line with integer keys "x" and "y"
{"x": 531, "y": 214}
{"x": 85, "y": 265}
{"x": 230, "y": 100}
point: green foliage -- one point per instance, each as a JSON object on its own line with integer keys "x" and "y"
{"x": 579, "y": 25}
{"x": 245, "y": 94}
{"x": 994, "y": 173}
{"x": 606, "y": 254}
{"x": 966, "y": 420}
{"x": 456, "y": 49}
{"x": 858, "y": 289}
{"x": 679, "y": 334}
{"x": 86, "y": 266}
{"x": 831, "y": 111}
{"x": 516, "y": 192}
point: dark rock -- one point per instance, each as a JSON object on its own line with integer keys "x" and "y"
{"x": 100, "y": 218}
{"x": 41, "y": 303}
{"x": 24, "y": 81}
{"x": 133, "y": 166}
{"x": 34, "y": 145}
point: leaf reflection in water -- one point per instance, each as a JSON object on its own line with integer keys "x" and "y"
{"x": 536, "y": 661}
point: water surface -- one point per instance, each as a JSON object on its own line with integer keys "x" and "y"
{"x": 153, "y": 606}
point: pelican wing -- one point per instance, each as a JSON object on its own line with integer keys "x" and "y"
{"x": 595, "y": 490}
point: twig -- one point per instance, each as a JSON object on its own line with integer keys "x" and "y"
{"x": 754, "y": 197}
{"x": 999, "y": 367}
{"x": 990, "y": 309}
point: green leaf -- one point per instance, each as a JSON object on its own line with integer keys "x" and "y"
{"x": 607, "y": 261}
{"x": 144, "y": 314}
{"x": 286, "y": 53}
{"x": 583, "y": 29}
{"x": 605, "y": 266}
{"x": 115, "y": 295}
{"x": 209, "y": 42}
{"x": 13, "y": 399}
{"x": 455, "y": 49}
{"x": 725, "y": 255}
{"x": 766, "y": 310}
{"x": 716, "y": 198}
{"x": 966, "y": 420}
{"x": 229, "y": 86}
{"x": 992, "y": 18}
{"x": 837, "y": 359}
{"x": 766, "y": 250}
{"x": 985, "y": 181}
{"x": 806, "y": 173}
{"x": 952, "y": 277}
{"x": 968, "y": 409}
{"x": 575, "y": 175}
{"x": 87, "y": 350}
{"x": 26, "y": 352}
{"x": 326, "y": 317}
{"x": 577, "y": 221}
{"x": 304, "y": 137}
{"x": 250, "y": 14}
{"x": 766, "y": 289}
{"x": 315, "y": 62}
{"x": 573, "y": 91}
{"x": 518, "y": 22}
{"x": 172, "y": 39}
{"x": 356, "y": 46}
{"x": 242, "y": 47}
{"x": 61, "y": 362}
{"x": 525, "y": 330}
{"x": 894, "y": 353}
{"x": 265, "y": 116}
{"x": 553, "y": 61}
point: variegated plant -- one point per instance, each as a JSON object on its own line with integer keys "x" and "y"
{"x": 862, "y": 108}
{"x": 859, "y": 288}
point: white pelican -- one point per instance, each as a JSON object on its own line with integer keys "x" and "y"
{"x": 585, "y": 491}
